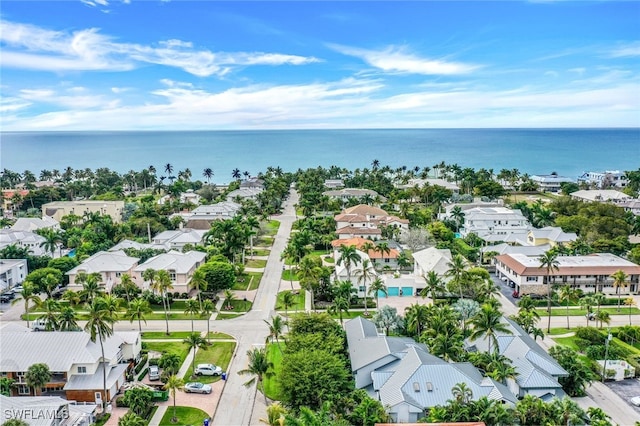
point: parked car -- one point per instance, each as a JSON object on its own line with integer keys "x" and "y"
{"x": 515, "y": 294}
{"x": 534, "y": 296}
{"x": 635, "y": 401}
{"x": 196, "y": 387}
{"x": 7, "y": 297}
{"x": 590, "y": 316}
{"x": 208, "y": 370}
{"x": 154, "y": 372}
{"x": 39, "y": 325}
{"x": 17, "y": 289}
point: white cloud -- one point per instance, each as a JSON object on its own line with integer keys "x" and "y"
{"x": 397, "y": 59}
{"x": 627, "y": 50}
{"x": 31, "y": 47}
{"x": 12, "y": 104}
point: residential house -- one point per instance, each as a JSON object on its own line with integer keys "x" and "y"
{"x": 180, "y": 267}
{"x": 334, "y": 183}
{"x": 421, "y": 183}
{"x": 494, "y": 223}
{"x": 432, "y": 259}
{"x": 111, "y": 265}
{"x": 46, "y": 411}
{"x": 12, "y": 198}
{"x": 601, "y": 195}
{"x": 76, "y": 364}
{"x": 202, "y": 216}
{"x": 606, "y": 179}
{"x": 405, "y": 378}
{"x": 58, "y": 209}
{"x": 380, "y": 260}
{"x": 537, "y": 373}
{"x": 12, "y": 272}
{"x": 632, "y": 206}
{"x": 189, "y": 196}
{"x": 341, "y": 273}
{"x": 550, "y": 235}
{"x": 240, "y": 194}
{"x": 129, "y": 244}
{"x": 550, "y": 183}
{"x": 591, "y": 273}
{"x": 366, "y": 222}
{"x": 24, "y": 239}
{"x": 464, "y": 207}
{"x": 32, "y": 224}
{"x": 252, "y": 182}
{"x": 504, "y": 248}
{"x": 347, "y": 194}
{"x": 178, "y": 238}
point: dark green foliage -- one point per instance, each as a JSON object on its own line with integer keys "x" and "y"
{"x": 580, "y": 375}
{"x": 140, "y": 400}
{"x": 63, "y": 264}
{"x": 592, "y": 334}
{"x": 218, "y": 275}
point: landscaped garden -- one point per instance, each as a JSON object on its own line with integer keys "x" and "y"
{"x": 298, "y": 301}
{"x": 218, "y": 353}
{"x": 184, "y": 416}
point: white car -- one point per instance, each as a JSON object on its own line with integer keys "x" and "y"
{"x": 195, "y": 387}
{"x": 635, "y": 401}
{"x": 208, "y": 370}
{"x": 154, "y": 372}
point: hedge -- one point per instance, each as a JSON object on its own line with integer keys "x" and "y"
{"x": 141, "y": 364}
{"x": 144, "y": 373}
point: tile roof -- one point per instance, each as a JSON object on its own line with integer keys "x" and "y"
{"x": 365, "y": 209}
{"x": 355, "y": 230}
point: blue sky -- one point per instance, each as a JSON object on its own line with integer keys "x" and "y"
{"x": 154, "y": 65}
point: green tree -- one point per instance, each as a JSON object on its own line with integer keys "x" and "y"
{"x": 487, "y": 323}
{"x": 194, "y": 342}
{"x": 162, "y": 284}
{"x": 619, "y": 281}
{"x": 170, "y": 362}
{"x": 288, "y": 300}
{"x": 275, "y": 415}
{"x": 15, "y": 422}
{"x": 416, "y": 317}
{"x": 192, "y": 308}
{"x": 139, "y": 400}
{"x": 5, "y": 386}
{"x": 549, "y": 261}
{"x": 27, "y": 295}
{"x": 276, "y": 329}
{"x": 339, "y": 306}
{"x": 137, "y": 309}
{"x": 434, "y": 285}
{"x": 50, "y": 313}
{"x": 131, "y": 419}
{"x": 45, "y": 279}
{"x": 365, "y": 274}
{"x": 567, "y": 294}
{"x": 580, "y": 375}
{"x": 377, "y": 287}
{"x": 37, "y": 376}
{"x": 100, "y": 327}
{"x": 457, "y": 266}
{"x": 259, "y": 367}
{"x": 218, "y": 275}
{"x": 207, "y": 309}
{"x": 174, "y": 384}
{"x": 387, "y": 319}
{"x": 349, "y": 256}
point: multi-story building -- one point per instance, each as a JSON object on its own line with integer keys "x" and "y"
{"x": 111, "y": 265}
{"x": 550, "y": 183}
{"x": 58, "y": 209}
{"x": 12, "y": 272}
{"x": 494, "y": 223}
{"x": 180, "y": 267}
{"x": 606, "y": 179}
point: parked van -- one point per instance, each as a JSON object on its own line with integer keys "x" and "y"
{"x": 154, "y": 372}
{"x": 39, "y": 325}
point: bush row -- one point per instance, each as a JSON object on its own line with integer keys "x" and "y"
{"x": 142, "y": 363}
{"x": 144, "y": 373}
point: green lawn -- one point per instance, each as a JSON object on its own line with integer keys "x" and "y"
{"x": 254, "y": 282}
{"x": 271, "y": 385}
{"x": 259, "y": 252}
{"x": 219, "y": 353}
{"x": 272, "y": 227}
{"x": 239, "y": 306}
{"x": 298, "y": 306}
{"x": 247, "y": 281}
{"x": 265, "y": 241}
{"x": 225, "y": 316}
{"x": 162, "y": 335}
{"x": 288, "y": 275}
{"x": 567, "y": 341}
{"x": 187, "y": 416}
{"x": 348, "y": 315}
{"x": 256, "y": 263}
{"x": 562, "y": 312}
{"x": 172, "y": 347}
{"x": 560, "y": 330}
{"x": 149, "y": 317}
{"x": 329, "y": 259}
{"x": 216, "y": 335}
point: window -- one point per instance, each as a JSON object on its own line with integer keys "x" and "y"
{"x": 362, "y": 288}
{"x": 82, "y": 370}
{"x": 118, "y": 274}
{"x": 530, "y": 279}
{"x": 23, "y": 390}
{"x": 172, "y": 274}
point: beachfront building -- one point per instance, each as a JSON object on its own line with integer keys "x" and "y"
{"x": 334, "y": 183}
{"x": 590, "y": 273}
{"x": 58, "y": 209}
{"x": 178, "y": 238}
{"x": 465, "y": 207}
{"x": 550, "y": 183}
{"x": 203, "y": 216}
{"x": 111, "y": 265}
{"x": 606, "y": 179}
{"x": 76, "y": 362}
{"x": 252, "y": 182}
{"x": 12, "y": 272}
{"x": 180, "y": 267}
{"x": 537, "y": 373}
{"x": 600, "y": 195}
{"x": 187, "y": 197}
{"x": 406, "y": 378}
{"x": 494, "y": 224}
{"x": 47, "y": 411}
{"x": 32, "y": 224}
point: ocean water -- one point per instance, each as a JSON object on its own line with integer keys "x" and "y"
{"x": 569, "y": 152}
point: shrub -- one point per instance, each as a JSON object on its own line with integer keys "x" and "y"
{"x": 184, "y": 295}
{"x": 629, "y": 334}
{"x": 635, "y": 363}
{"x": 591, "y": 334}
{"x": 142, "y": 363}
{"x": 599, "y": 351}
{"x": 141, "y": 375}
{"x": 581, "y": 343}
{"x": 176, "y": 294}
{"x": 121, "y": 402}
{"x": 154, "y": 361}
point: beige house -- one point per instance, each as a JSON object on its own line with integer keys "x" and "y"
{"x": 551, "y": 235}
{"x": 366, "y": 221}
{"x": 180, "y": 267}
{"x": 58, "y": 209}
{"x": 111, "y": 265}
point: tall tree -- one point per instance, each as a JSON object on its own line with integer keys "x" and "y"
{"x": 207, "y": 309}
{"x": 377, "y": 287}
{"x": 549, "y": 261}
{"x": 174, "y": 384}
{"x": 567, "y": 294}
{"x": 37, "y": 376}
{"x": 288, "y": 300}
{"x": 434, "y": 285}
{"x": 619, "y": 281}
{"x": 487, "y": 323}
{"x": 68, "y": 319}
{"x": 194, "y": 342}
{"x": 137, "y": 309}
{"x": 365, "y": 274}
{"x": 276, "y": 328}
{"x": 163, "y": 284}
{"x": 349, "y": 256}
{"x": 192, "y": 308}
{"x": 457, "y": 266}
{"x": 100, "y": 327}
{"x": 208, "y": 174}
{"x": 259, "y": 367}
{"x": 27, "y": 295}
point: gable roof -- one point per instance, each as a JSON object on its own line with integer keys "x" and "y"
{"x": 554, "y": 233}
{"x": 33, "y": 223}
{"x": 182, "y": 263}
{"x": 433, "y": 259}
{"x": 106, "y": 261}
{"x": 365, "y": 209}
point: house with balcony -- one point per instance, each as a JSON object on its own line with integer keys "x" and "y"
{"x": 203, "y": 216}
{"x": 12, "y": 273}
{"x": 494, "y": 224}
{"x": 606, "y": 179}
{"x": 380, "y": 260}
{"x": 47, "y": 411}
{"x": 24, "y": 239}
{"x": 178, "y": 238}
{"x": 591, "y": 273}
{"x": 187, "y": 197}
{"x": 537, "y": 372}
{"x": 111, "y": 265}
{"x": 550, "y": 183}
{"x": 406, "y": 378}
{"x": 76, "y": 364}
{"x": 58, "y": 209}
{"x": 367, "y": 222}
{"x": 180, "y": 267}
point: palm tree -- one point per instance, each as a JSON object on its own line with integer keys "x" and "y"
{"x": 288, "y": 300}
{"x": 619, "y": 281}
{"x": 174, "y": 383}
{"x": 383, "y": 248}
{"x": 137, "y": 309}
{"x": 487, "y": 323}
{"x": 90, "y": 285}
{"x": 416, "y": 316}
{"x": 340, "y": 304}
{"x": 208, "y": 174}
{"x": 235, "y": 173}
{"x": 457, "y": 267}
{"x": 131, "y": 419}
{"x": 434, "y": 285}
{"x": 163, "y": 284}
{"x": 50, "y": 312}
{"x": 229, "y": 297}
{"x": 276, "y": 327}
{"x": 192, "y": 308}
{"x": 587, "y": 302}
{"x": 567, "y": 294}
{"x": 275, "y": 415}
{"x": 458, "y": 216}
{"x": 205, "y": 312}
{"x": 68, "y": 319}
{"x": 37, "y": 376}
{"x": 194, "y": 342}
{"x": 462, "y": 393}
{"x": 630, "y": 302}
{"x": 259, "y": 366}
{"x": 100, "y": 326}
{"x": 365, "y": 274}
{"x": 199, "y": 281}
{"x": 603, "y": 316}
{"x": 27, "y": 295}
{"x": 349, "y": 256}
{"x": 52, "y": 239}
{"x": 377, "y": 287}
{"x": 549, "y": 261}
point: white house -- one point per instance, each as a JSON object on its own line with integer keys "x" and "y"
{"x": 249, "y": 193}
{"x": 346, "y": 194}
{"x": 550, "y": 183}
{"x": 12, "y": 272}
{"x": 366, "y": 222}
{"x": 202, "y": 216}
{"x": 25, "y": 239}
{"x": 431, "y": 182}
{"x": 601, "y": 195}
{"x": 180, "y": 267}
{"x": 606, "y": 179}
{"x": 494, "y": 223}
{"x": 591, "y": 273}
{"x": 76, "y": 363}
{"x": 31, "y": 224}
{"x": 46, "y": 411}
{"x": 189, "y": 196}
{"x": 111, "y": 265}
{"x": 178, "y": 238}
